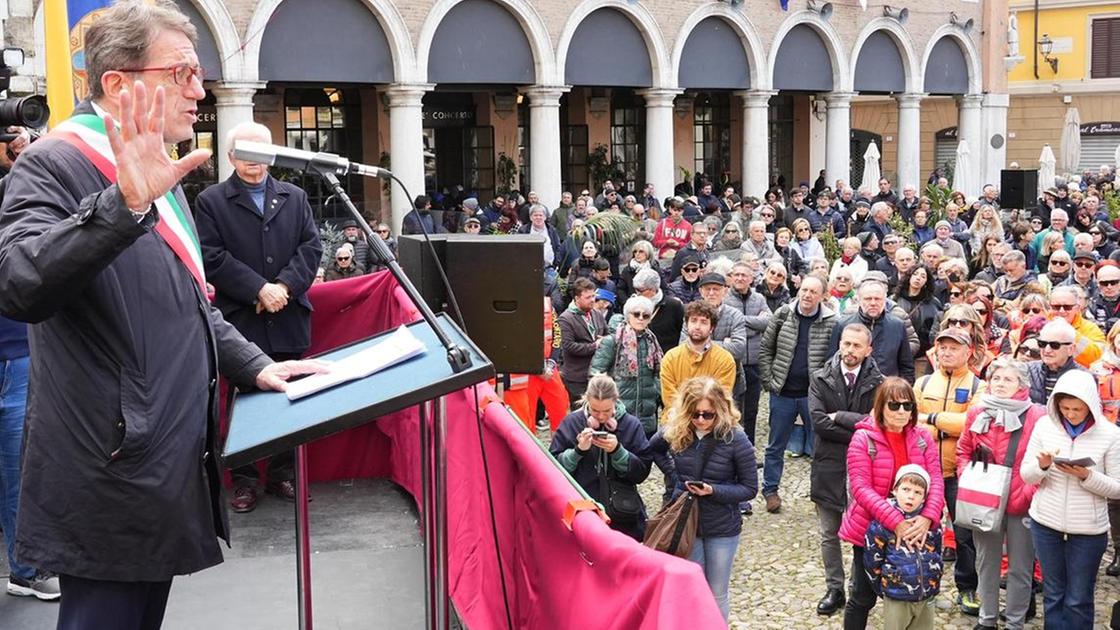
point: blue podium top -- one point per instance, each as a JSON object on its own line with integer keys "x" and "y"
{"x": 263, "y": 424}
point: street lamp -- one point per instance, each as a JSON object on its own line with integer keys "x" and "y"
{"x": 1046, "y": 47}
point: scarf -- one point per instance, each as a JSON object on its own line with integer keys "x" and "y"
{"x": 847, "y": 260}
{"x": 838, "y": 294}
{"x": 626, "y": 352}
{"x": 638, "y": 266}
{"x": 1005, "y": 411}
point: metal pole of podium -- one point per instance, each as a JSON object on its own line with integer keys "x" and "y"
{"x": 443, "y": 618}
{"x": 303, "y": 541}
{"x": 426, "y": 518}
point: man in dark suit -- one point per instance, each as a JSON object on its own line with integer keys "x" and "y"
{"x": 840, "y": 395}
{"x": 261, "y": 249}
{"x": 120, "y": 487}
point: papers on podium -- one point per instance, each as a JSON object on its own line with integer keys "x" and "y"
{"x": 397, "y": 347}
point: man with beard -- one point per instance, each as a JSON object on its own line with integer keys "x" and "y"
{"x": 796, "y": 209}
{"x": 697, "y": 355}
{"x": 840, "y": 395}
{"x": 362, "y": 256}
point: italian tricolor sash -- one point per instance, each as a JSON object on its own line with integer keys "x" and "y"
{"x": 86, "y": 132}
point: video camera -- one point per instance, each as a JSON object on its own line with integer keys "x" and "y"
{"x": 24, "y": 111}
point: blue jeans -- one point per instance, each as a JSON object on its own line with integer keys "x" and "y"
{"x": 716, "y": 556}
{"x": 783, "y": 413}
{"x": 801, "y": 440}
{"x": 13, "y": 404}
{"x": 1069, "y": 574}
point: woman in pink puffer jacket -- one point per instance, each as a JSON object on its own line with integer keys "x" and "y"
{"x": 990, "y": 425}
{"x": 884, "y": 442}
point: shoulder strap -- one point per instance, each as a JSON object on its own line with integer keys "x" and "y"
{"x": 924, "y": 382}
{"x": 871, "y": 450}
{"x": 975, "y": 385}
{"x": 1013, "y": 446}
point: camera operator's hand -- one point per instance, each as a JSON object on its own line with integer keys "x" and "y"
{"x": 145, "y": 171}
{"x": 608, "y": 444}
{"x": 21, "y": 140}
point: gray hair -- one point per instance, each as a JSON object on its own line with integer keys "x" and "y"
{"x": 637, "y": 304}
{"x": 122, "y": 36}
{"x": 1014, "y": 256}
{"x": 645, "y": 246}
{"x": 859, "y": 328}
{"x": 879, "y": 205}
{"x": 777, "y": 264}
{"x": 1061, "y": 328}
{"x": 1007, "y": 363}
{"x": 1058, "y": 213}
{"x": 538, "y": 208}
{"x": 721, "y": 265}
{"x": 930, "y": 246}
{"x": 345, "y": 246}
{"x": 646, "y": 279}
{"x": 902, "y": 250}
{"x": 248, "y": 130}
{"x": 601, "y": 387}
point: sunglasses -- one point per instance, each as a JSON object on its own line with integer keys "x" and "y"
{"x": 1034, "y": 311}
{"x": 690, "y": 269}
{"x": 1108, "y": 283}
{"x": 955, "y": 294}
{"x": 1063, "y": 307}
{"x": 342, "y": 258}
{"x": 641, "y": 316}
{"x": 904, "y": 405}
{"x": 1053, "y": 345}
{"x": 1095, "y": 232}
{"x": 706, "y": 415}
{"x": 768, "y": 214}
{"x": 383, "y": 231}
{"x": 1084, "y": 265}
{"x": 959, "y": 323}
{"x": 1059, "y": 263}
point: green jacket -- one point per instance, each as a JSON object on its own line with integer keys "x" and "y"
{"x": 640, "y": 394}
{"x": 780, "y": 339}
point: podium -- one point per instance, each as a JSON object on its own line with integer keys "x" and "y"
{"x": 263, "y": 424}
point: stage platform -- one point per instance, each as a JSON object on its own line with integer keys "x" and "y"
{"x": 367, "y": 565}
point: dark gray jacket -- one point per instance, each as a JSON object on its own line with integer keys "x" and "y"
{"x": 890, "y": 341}
{"x": 120, "y": 479}
{"x": 1036, "y": 370}
{"x": 829, "y": 394}
{"x": 780, "y": 340}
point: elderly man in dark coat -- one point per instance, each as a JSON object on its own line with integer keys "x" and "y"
{"x": 840, "y": 395}
{"x": 120, "y": 486}
{"x": 261, "y": 249}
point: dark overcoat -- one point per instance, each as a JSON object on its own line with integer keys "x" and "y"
{"x": 243, "y": 249}
{"x": 120, "y": 479}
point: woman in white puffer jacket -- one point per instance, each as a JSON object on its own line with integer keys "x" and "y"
{"x": 1069, "y": 512}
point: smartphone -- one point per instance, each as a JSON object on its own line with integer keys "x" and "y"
{"x": 599, "y": 434}
{"x": 694, "y": 484}
{"x": 1081, "y": 461}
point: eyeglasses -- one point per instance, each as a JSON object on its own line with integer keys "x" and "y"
{"x": 1062, "y": 307}
{"x": 767, "y": 214}
{"x": 384, "y": 231}
{"x": 904, "y": 405}
{"x": 959, "y": 323}
{"x": 1108, "y": 283}
{"x": 1053, "y": 345}
{"x": 1059, "y": 263}
{"x": 181, "y": 73}
{"x": 1084, "y": 265}
{"x": 802, "y": 229}
{"x": 641, "y": 316}
{"x": 342, "y": 258}
{"x": 707, "y": 415}
{"x": 1034, "y": 311}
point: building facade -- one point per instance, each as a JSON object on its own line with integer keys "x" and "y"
{"x": 555, "y": 95}
{"x": 1084, "y": 42}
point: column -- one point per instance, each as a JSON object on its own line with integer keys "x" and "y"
{"x": 234, "y": 104}
{"x": 406, "y": 145}
{"x": 544, "y": 142}
{"x": 909, "y": 141}
{"x": 969, "y": 123}
{"x": 818, "y": 137}
{"x": 994, "y": 115}
{"x": 756, "y": 141}
{"x": 838, "y": 144}
{"x": 660, "y": 165}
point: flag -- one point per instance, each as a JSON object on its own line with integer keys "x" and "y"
{"x": 66, "y": 22}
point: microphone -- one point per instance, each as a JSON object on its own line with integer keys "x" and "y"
{"x": 297, "y": 159}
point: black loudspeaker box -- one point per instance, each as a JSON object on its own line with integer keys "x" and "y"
{"x": 1018, "y": 189}
{"x": 499, "y": 284}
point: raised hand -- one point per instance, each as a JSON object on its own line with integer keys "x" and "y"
{"x": 145, "y": 170}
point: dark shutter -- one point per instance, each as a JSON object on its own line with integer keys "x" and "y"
{"x": 1106, "y": 49}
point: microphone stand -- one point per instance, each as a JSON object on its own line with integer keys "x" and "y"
{"x": 457, "y": 357}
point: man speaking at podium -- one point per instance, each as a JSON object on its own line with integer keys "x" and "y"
{"x": 121, "y": 489}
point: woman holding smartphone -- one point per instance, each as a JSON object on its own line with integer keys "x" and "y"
{"x": 1074, "y": 457}
{"x": 703, "y": 450}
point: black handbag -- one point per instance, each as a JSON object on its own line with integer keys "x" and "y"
{"x": 621, "y": 499}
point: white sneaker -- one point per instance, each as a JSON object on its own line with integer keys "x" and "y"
{"x": 43, "y": 587}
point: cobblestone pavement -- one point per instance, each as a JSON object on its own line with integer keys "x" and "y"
{"x": 778, "y": 576}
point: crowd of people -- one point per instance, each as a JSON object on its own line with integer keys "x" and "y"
{"x": 920, "y": 355}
